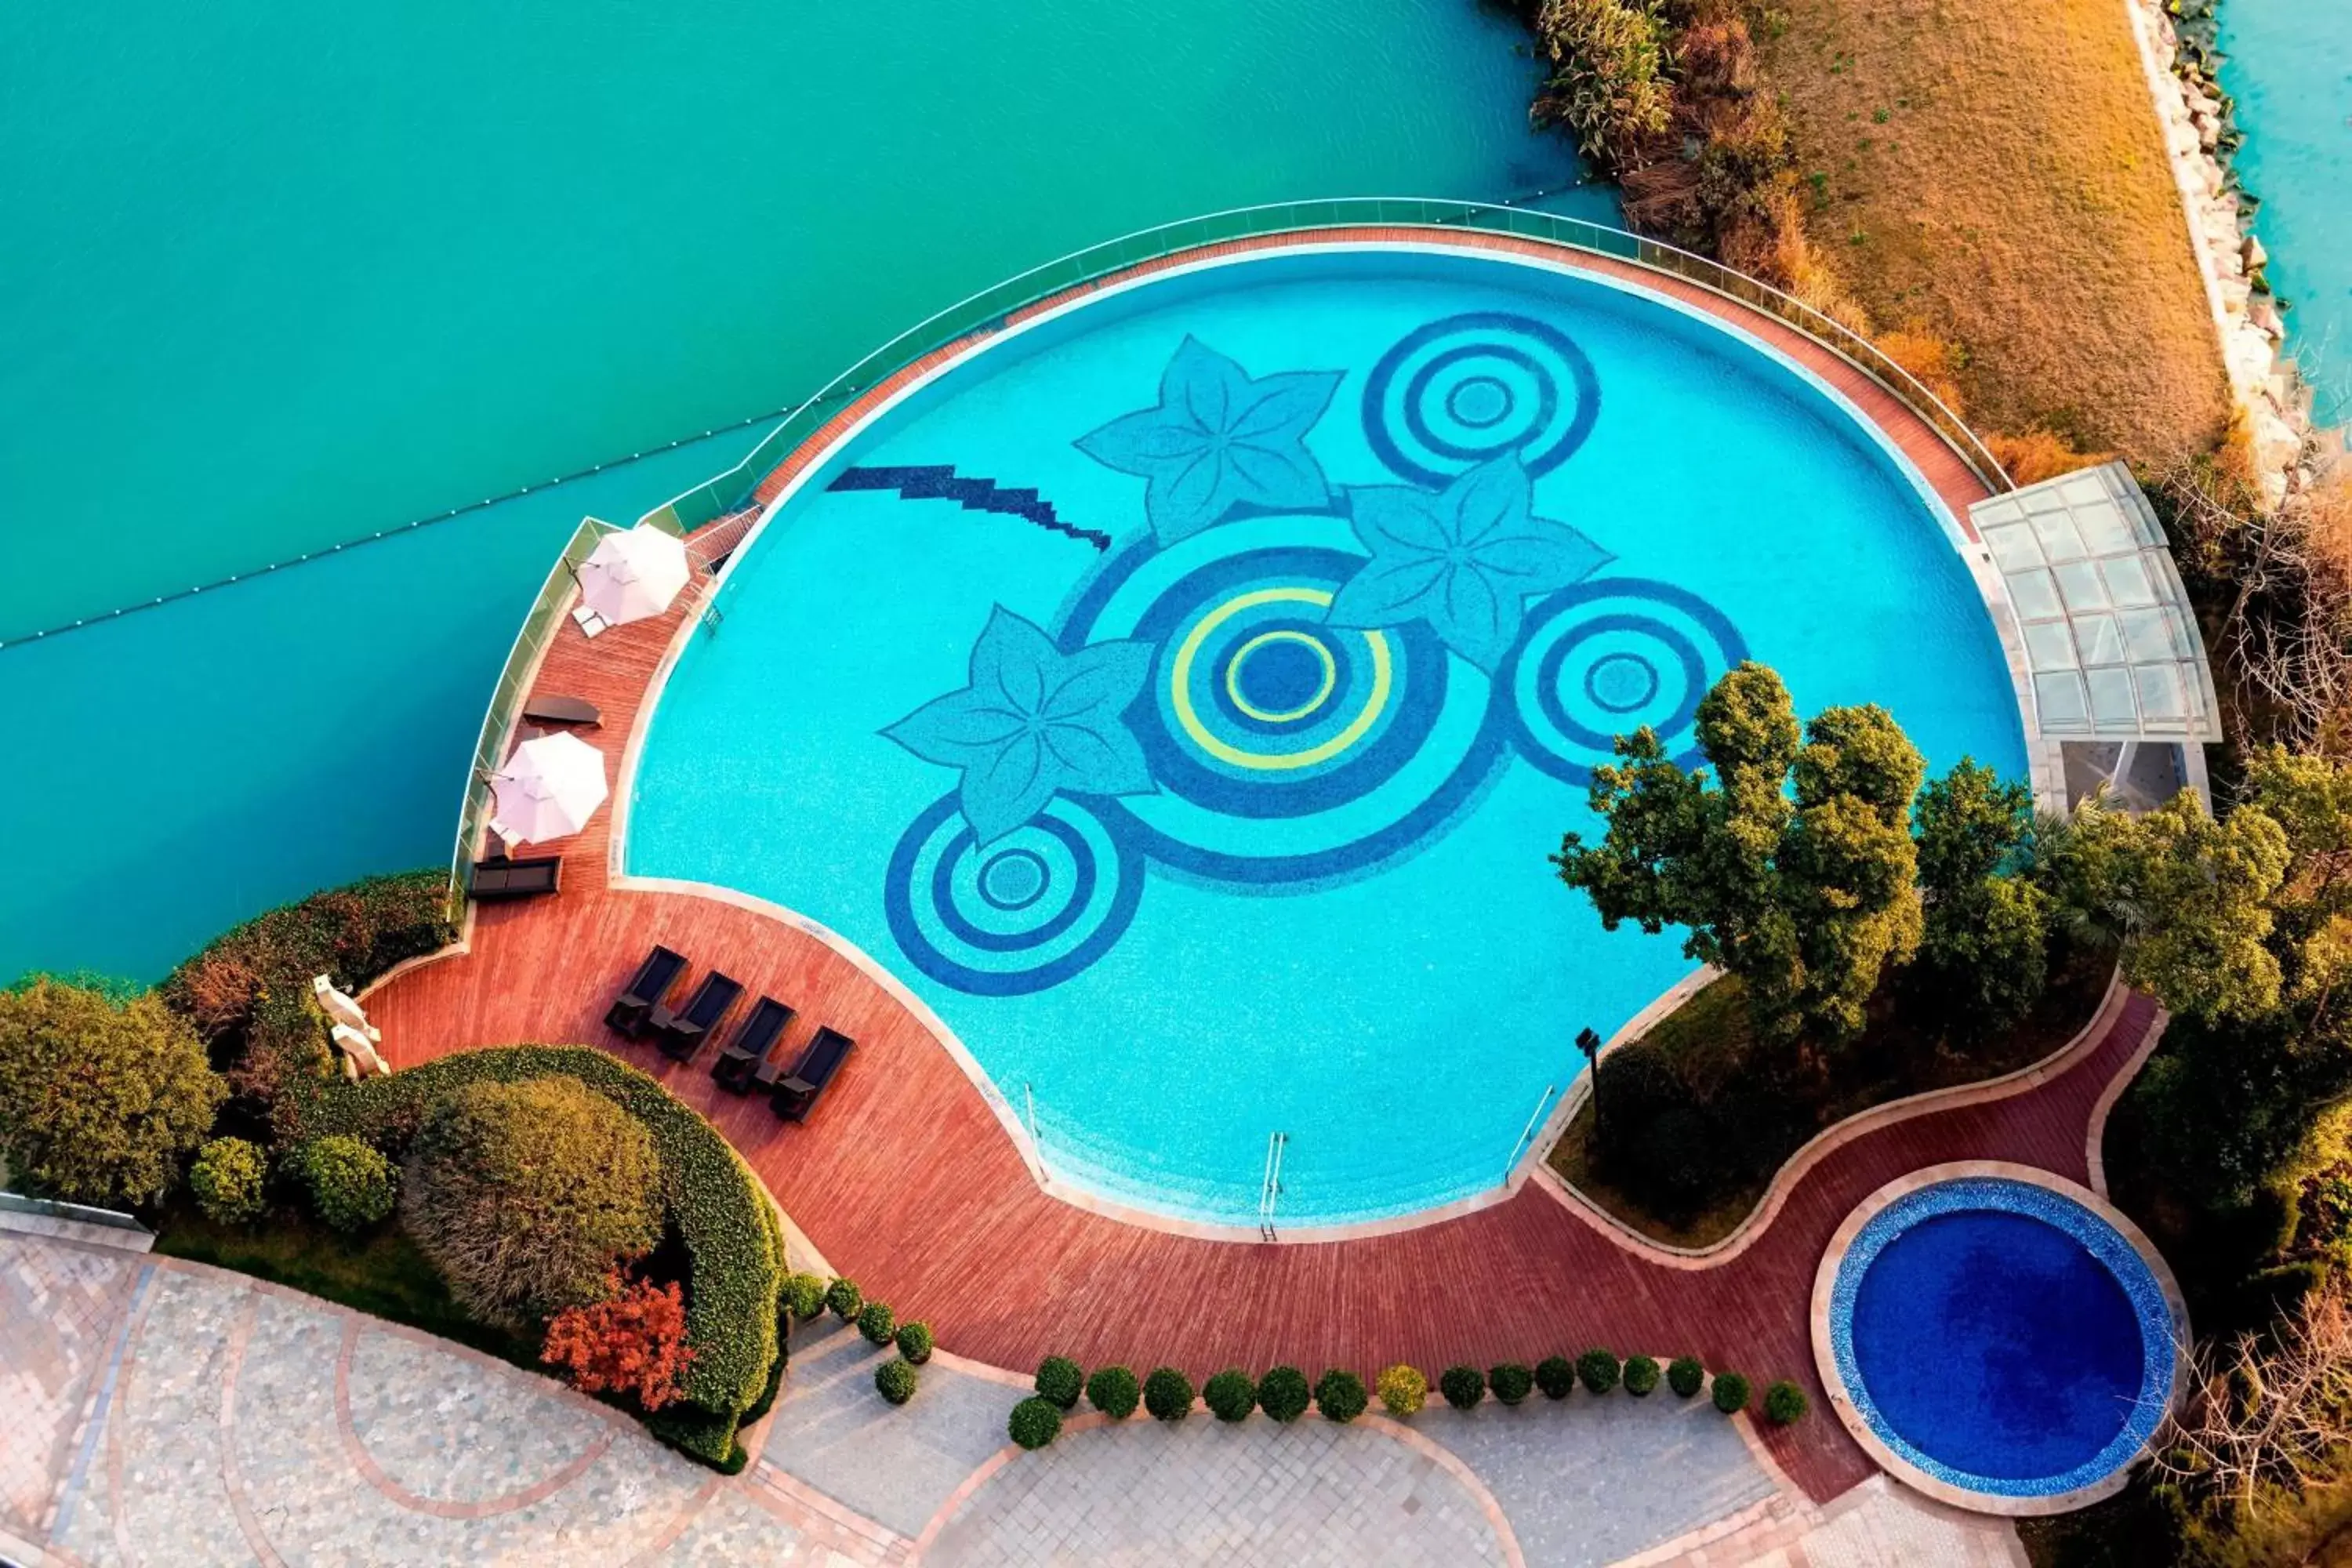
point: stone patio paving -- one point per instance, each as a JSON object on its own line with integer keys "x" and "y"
{"x": 159, "y": 1413}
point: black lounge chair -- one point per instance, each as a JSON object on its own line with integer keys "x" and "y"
{"x": 680, "y": 1032}
{"x": 499, "y": 876}
{"x": 747, "y": 1053}
{"x": 795, "y": 1095}
{"x": 563, "y": 711}
{"x": 632, "y": 1009}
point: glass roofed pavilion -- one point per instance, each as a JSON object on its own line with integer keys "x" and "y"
{"x": 2117, "y": 668}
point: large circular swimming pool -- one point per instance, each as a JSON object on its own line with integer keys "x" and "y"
{"x": 1999, "y": 1338}
{"x": 1182, "y": 694}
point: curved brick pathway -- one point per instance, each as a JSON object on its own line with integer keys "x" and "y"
{"x": 908, "y": 1180}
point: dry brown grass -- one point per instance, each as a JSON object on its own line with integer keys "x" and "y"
{"x": 1991, "y": 174}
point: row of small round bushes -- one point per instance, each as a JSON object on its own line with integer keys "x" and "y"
{"x": 1340, "y": 1395}
{"x": 806, "y": 1297}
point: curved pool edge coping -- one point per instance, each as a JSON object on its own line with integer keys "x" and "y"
{"x": 1861, "y": 1124}
{"x": 878, "y": 401}
{"x": 1904, "y": 1470}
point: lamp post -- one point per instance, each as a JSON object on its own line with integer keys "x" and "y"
{"x": 1589, "y": 1044}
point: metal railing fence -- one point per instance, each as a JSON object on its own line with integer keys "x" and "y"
{"x": 989, "y": 311}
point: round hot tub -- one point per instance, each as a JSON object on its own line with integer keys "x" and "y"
{"x": 1998, "y": 1338}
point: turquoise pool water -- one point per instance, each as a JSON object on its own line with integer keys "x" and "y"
{"x": 276, "y": 277}
{"x": 2290, "y": 70}
{"x": 1183, "y": 696}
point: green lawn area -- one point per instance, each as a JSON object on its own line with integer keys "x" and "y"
{"x": 1741, "y": 1112}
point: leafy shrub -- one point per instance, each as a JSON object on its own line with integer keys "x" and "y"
{"x": 1641, "y": 1375}
{"x": 1464, "y": 1386}
{"x": 1340, "y": 1395}
{"x": 846, "y": 1299}
{"x": 1607, "y": 75}
{"x": 1555, "y": 1376}
{"x": 1597, "y": 1370}
{"x": 915, "y": 1342}
{"x": 1114, "y": 1391}
{"x": 1686, "y": 1376}
{"x": 878, "y": 1323}
{"x": 1730, "y": 1392}
{"x": 1061, "y": 1380}
{"x": 1284, "y": 1394}
{"x": 894, "y": 1381}
{"x": 1784, "y": 1403}
{"x": 1167, "y": 1393}
{"x": 722, "y": 1215}
{"x": 99, "y": 1101}
{"x": 1402, "y": 1390}
{"x": 1231, "y": 1395}
{"x": 248, "y": 991}
{"x": 633, "y": 1344}
{"x": 351, "y": 1184}
{"x": 803, "y": 1296}
{"x": 523, "y": 1194}
{"x": 227, "y": 1179}
{"x": 1511, "y": 1381}
{"x": 1035, "y": 1422}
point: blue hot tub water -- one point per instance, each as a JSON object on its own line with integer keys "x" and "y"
{"x": 2002, "y": 1337}
{"x": 1183, "y": 696}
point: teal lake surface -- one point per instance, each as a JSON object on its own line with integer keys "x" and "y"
{"x": 277, "y": 277}
{"x": 2290, "y": 70}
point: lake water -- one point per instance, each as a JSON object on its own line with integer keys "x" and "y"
{"x": 2289, "y": 68}
{"x": 276, "y": 276}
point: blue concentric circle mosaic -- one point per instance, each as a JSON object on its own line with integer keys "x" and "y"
{"x": 1462, "y": 389}
{"x": 2002, "y": 1337}
{"x": 1607, "y": 657}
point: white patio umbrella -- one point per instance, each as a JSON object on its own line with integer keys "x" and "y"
{"x": 548, "y": 788}
{"x": 633, "y": 573}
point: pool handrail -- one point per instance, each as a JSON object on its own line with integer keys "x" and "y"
{"x": 988, "y": 310}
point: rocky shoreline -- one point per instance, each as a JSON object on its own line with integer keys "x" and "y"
{"x": 2289, "y": 452}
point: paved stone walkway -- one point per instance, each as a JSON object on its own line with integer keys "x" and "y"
{"x": 159, "y": 1413}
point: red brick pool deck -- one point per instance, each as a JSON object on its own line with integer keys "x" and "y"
{"x": 907, "y": 1181}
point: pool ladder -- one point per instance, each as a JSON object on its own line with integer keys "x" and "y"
{"x": 1270, "y": 1188}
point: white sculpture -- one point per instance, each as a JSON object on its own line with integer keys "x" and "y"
{"x": 353, "y": 1035}
{"x": 342, "y": 1009}
{"x": 359, "y": 1052}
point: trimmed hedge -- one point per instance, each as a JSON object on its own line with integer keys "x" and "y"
{"x": 1231, "y": 1395}
{"x": 1730, "y": 1392}
{"x": 722, "y": 1213}
{"x": 915, "y": 1342}
{"x": 227, "y": 1179}
{"x": 1641, "y": 1375}
{"x": 1061, "y": 1380}
{"x": 1686, "y": 1376}
{"x": 803, "y": 1296}
{"x": 846, "y": 1299}
{"x": 1785, "y": 1403}
{"x": 1114, "y": 1391}
{"x": 1167, "y": 1393}
{"x": 353, "y": 1186}
{"x": 878, "y": 1323}
{"x": 1035, "y": 1422}
{"x": 1555, "y": 1376}
{"x": 1511, "y": 1381}
{"x": 1340, "y": 1395}
{"x": 1597, "y": 1370}
{"x": 894, "y": 1381}
{"x": 1402, "y": 1390}
{"x": 1284, "y": 1394}
{"x": 1464, "y": 1386}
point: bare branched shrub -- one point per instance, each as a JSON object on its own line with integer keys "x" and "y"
{"x": 2266, "y": 1412}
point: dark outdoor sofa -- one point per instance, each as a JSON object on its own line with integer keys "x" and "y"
{"x": 633, "y": 1009}
{"x": 747, "y": 1053}
{"x": 681, "y": 1032}
{"x": 795, "y": 1096}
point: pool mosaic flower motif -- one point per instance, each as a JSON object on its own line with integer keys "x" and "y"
{"x": 1219, "y": 438}
{"x": 1465, "y": 559}
{"x": 1034, "y": 723}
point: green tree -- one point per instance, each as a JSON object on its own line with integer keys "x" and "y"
{"x": 100, "y": 1101}
{"x": 526, "y": 1195}
{"x": 1793, "y": 868}
{"x": 1984, "y": 939}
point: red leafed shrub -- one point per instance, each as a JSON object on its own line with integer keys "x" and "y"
{"x": 633, "y": 1343}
